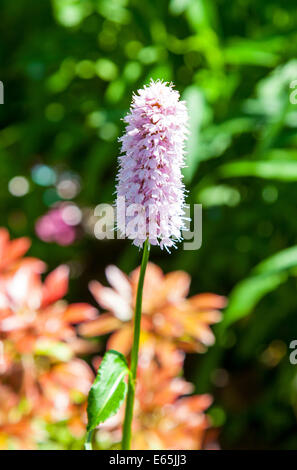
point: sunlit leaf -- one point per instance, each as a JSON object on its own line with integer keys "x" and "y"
{"x": 249, "y": 52}
{"x": 267, "y": 276}
{"x": 200, "y": 13}
{"x": 196, "y": 107}
{"x": 248, "y": 293}
{"x": 272, "y": 169}
{"x": 218, "y": 195}
{"x": 281, "y": 261}
{"x": 108, "y": 390}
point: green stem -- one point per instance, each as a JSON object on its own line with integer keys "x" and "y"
{"x": 127, "y": 427}
{"x": 88, "y": 442}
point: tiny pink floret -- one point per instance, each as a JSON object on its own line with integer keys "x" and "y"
{"x": 150, "y": 166}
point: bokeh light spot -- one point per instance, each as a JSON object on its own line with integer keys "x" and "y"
{"x": 54, "y": 112}
{"x": 85, "y": 69}
{"x": 71, "y": 215}
{"x": 108, "y": 131}
{"x": 132, "y": 71}
{"x": 68, "y": 187}
{"x": 106, "y": 69}
{"x": 18, "y": 186}
{"x": 270, "y": 194}
{"x": 43, "y": 175}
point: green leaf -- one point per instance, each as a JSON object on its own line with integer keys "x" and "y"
{"x": 248, "y": 293}
{"x": 267, "y": 276}
{"x": 197, "y": 109}
{"x": 108, "y": 390}
{"x": 251, "y": 53}
{"x": 273, "y": 169}
{"x": 281, "y": 261}
{"x": 216, "y": 195}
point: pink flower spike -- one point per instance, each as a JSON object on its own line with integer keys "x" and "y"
{"x": 149, "y": 176}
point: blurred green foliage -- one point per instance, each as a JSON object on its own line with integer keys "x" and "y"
{"x": 69, "y": 68}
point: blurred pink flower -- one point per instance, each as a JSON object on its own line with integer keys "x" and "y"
{"x": 57, "y": 225}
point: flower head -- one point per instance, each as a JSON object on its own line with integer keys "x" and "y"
{"x": 150, "y": 177}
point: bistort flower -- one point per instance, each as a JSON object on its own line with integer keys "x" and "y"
{"x": 149, "y": 176}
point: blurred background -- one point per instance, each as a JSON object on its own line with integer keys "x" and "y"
{"x": 69, "y": 68}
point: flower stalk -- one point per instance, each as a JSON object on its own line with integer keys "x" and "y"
{"x": 88, "y": 442}
{"x": 127, "y": 426}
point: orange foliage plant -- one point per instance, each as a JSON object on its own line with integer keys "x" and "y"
{"x": 44, "y": 382}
